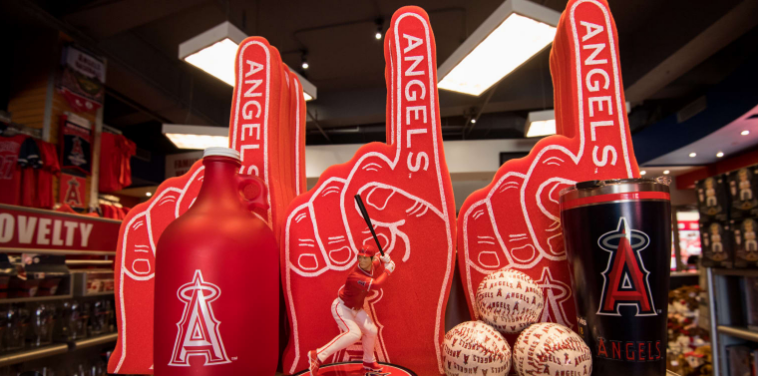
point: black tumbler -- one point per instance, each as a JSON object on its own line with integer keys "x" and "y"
{"x": 618, "y": 242}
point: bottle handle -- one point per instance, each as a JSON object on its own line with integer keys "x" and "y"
{"x": 256, "y": 200}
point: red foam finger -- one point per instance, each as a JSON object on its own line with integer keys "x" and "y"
{"x": 134, "y": 276}
{"x": 255, "y": 123}
{"x": 297, "y": 121}
{"x": 593, "y": 143}
{"x": 259, "y": 115}
{"x": 406, "y": 188}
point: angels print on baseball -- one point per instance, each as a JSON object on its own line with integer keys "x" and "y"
{"x": 551, "y": 349}
{"x": 406, "y": 188}
{"x": 256, "y": 128}
{"x": 514, "y": 222}
{"x": 509, "y": 301}
{"x": 475, "y": 348}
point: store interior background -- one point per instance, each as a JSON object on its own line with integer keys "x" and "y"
{"x": 689, "y": 70}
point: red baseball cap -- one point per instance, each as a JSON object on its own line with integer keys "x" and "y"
{"x": 367, "y": 251}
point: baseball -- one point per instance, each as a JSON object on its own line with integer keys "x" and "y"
{"x": 552, "y": 349}
{"x": 474, "y": 348}
{"x": 509, "y": 301}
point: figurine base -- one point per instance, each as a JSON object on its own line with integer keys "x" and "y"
{"x": 356, "y": 369}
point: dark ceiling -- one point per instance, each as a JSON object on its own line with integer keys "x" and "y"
{"x": 148, "y": 84}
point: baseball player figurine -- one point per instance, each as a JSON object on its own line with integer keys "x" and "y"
{"x": 370, "y": 273}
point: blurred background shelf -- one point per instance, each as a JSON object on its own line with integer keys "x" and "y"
{"x": 36, "y": 299}
{"x": 94, "y": 341}
{"x": 56, "y": 349}
{"x": 37, "y": 353}
{"x": 738, "y": 332}
{"x": 737, "y": 272}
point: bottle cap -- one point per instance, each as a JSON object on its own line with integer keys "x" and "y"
{"x": 222, "y": 151}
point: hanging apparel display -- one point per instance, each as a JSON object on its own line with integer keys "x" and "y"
{"x": 115, "y": 169}
{"x": 29, "y": 161}
{"x": 113, "y": 210}
{"x": 50, "y": 168}
{"x": 76, "y": 142}
{"x": 72, "y": 190}
{"x": 82, "y": 79}
{"x": 10, "y": 172}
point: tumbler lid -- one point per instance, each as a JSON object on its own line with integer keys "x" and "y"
{"x": 615, "y": 186}
{"x": 221, "y": 151}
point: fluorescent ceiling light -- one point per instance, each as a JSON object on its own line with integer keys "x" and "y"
{"x": 214, "y": 51}
{"x": 515, "y": 32}
{"x": 196, "y": 137}
{"x": 540, "y": 123}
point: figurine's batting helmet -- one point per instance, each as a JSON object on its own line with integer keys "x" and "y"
{"x": 367, "y": 251}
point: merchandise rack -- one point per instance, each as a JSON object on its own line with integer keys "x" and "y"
{"x": 723, "y": 301}
{"x": 55, "y": 349}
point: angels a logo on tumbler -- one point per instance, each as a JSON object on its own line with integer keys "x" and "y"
{"x": 625, "y": 278}
{"x": 198, "y": 329}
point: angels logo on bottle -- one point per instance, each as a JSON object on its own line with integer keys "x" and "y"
{"x": 618, "y": 242}
{"x": 198, "y": 333}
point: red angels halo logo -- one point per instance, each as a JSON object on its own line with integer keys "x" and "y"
{"x": 198, "y": 329}
{"x": 625, "y": 280}
{"x": 72, "y": 193}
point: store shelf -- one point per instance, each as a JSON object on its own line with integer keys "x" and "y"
{"x": 685, "y": 274}
{"x": 37, "y": 353}
{"x": 737, "y": 272}
{"x": 57, "y": 349}
{"x": 104, "y": 293}
{"x": 94, "y": 341}
{"x": 738, "y": 332}
{"x": 36, "y": 299}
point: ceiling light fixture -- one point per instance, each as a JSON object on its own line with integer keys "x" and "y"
{"x": 214, "y": 51}
{"x": 719, "y": 154}
{"x": 666, "y": 172}
{"x": 196, "y": 137}
{"x": 643, "y": 172}
{"x": 515, "y": 32}
{"x": 473, "y": 121}
{"x": 149, "y": 194}
{"x": 304, "y": 59}
{"x": 540, "y": 123}
{"x": 379, "y": 28}
{"x": 545, "y": 122}
{"x": 745, "y": 132}
{"x": 693, "y": 155}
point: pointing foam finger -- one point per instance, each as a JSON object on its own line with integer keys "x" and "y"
{"x": 297, "y": 108}
{"x": 589, "y": 93}
{"x": 415, "y": 108}
{"x": 253, "y": 120}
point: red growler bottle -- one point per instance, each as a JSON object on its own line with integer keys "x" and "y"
{"x": 217, "y": 280}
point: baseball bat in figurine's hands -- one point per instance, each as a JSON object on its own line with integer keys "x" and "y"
{"x": 368, "y": 222}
